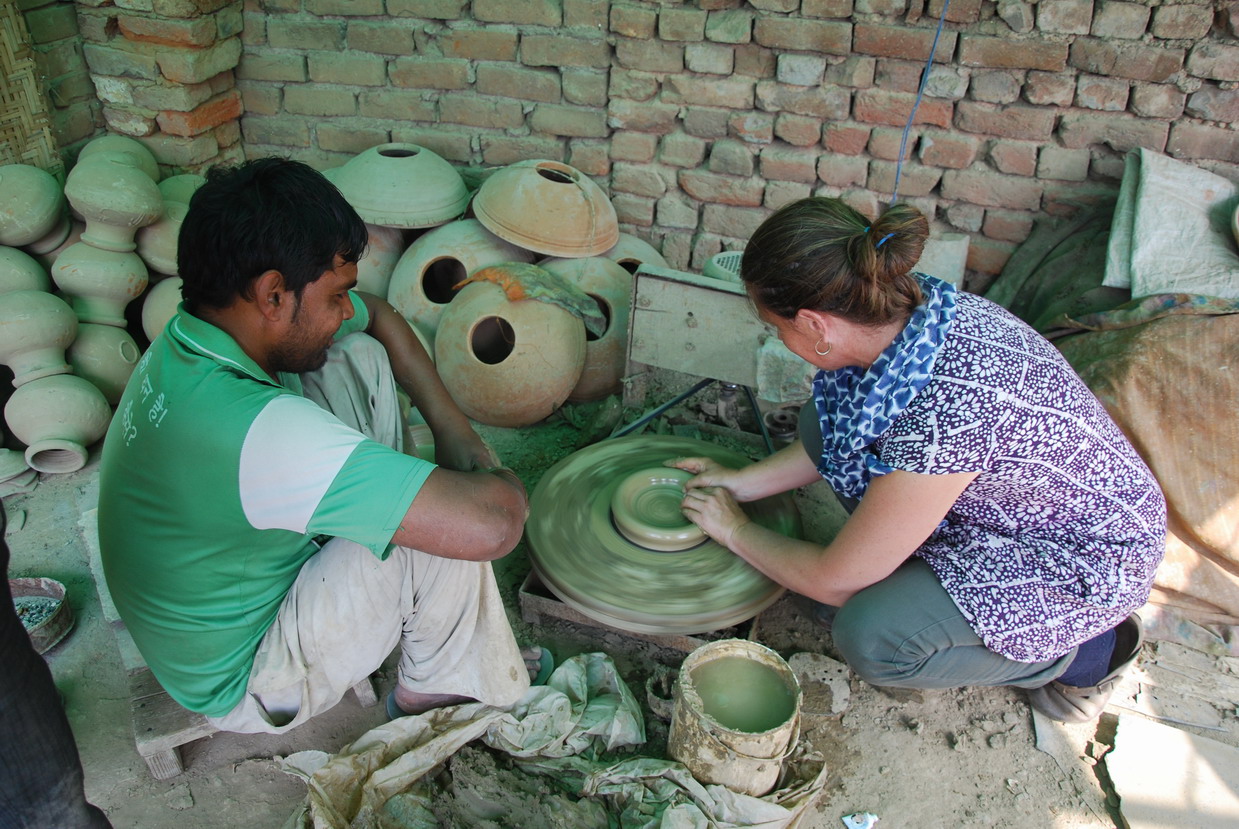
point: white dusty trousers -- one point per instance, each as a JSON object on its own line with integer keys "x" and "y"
{"x": 348, "y": 610}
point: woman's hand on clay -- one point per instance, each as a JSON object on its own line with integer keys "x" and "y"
{"x": 715, "y": 511}
{"x": 706, "y": 472}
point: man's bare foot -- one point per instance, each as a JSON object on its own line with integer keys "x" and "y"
{"x": 533, "y": 661}
{"x": 411, "y": 702}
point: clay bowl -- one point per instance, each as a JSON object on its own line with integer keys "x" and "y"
{"x": 52, "y": 627}
{"x": 402, "y": 185}
{"x": 646, "y": 510}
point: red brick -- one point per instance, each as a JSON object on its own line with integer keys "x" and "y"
{"x": 681, "y": 24}
{"x": 501, "y": 150}
{"x": 650, "y": 55}
{"x": 634, "y": 210}
{"x": 1125, "y": 60}
{"x": 1217, "y": 61}
{"x": 1119, "y": 131}
{"x": 798, "y": 130}
{"x": 755, "y": 61}
{"x": 1192, "y": 141}
{"x": 478, "y": 44}
{"x": 561, "y": 50}
{"x": 633, "y": 21}
{"x": 1067, "y": 17}
{"x": 780, "y": 193}
{"x": 989, "y": 256}
{"x": 826, "y": 8}
{"x": 1114, "y": 19}
{"x": 732, "y": 93}
{"x": 1049, "y": 89}
{"x": 804, "y": 35}
{"x": 1066, "y": 198}
{"x": 513, "y": 81}
{"x": 161, "y": 32}
{"x": 642, "y": 116}
{"x": 570, "y": 121}
{"x": 1014, "y": 121}
{"x": 478, "y": 111}
{"x": 901, "y": 42}
{"x": 214, "y": 112}
{"x": 948, "y": 149}
{"x": 914, "y": 180}
{"x": 429, "y": 73}
{"x": 1184, "y": 22}
{"x": 640, "y": 179}
{"x": 1017, "y": 158}
{"x": 705, "y": 186}
{"x": 884, "y": 143}
{"x": 845, "y": 138}
{"x": 960, "y": 11}
{"x": 1211, "y": 103}
{"x": 753, "y": 127}
{"x": 633, "y": 146}
{"x": 991, "y": 189}
{"x": 590, "y": 158}
{"x": 898, "y": 75}
{"x": 1157, "y": 100}
{"x": 842, "y": 170}
{"x": 1009, "y": 53}
{"x": 826, "y": 102}
{"x": 1101, "y": 93}
{"x": 629, "y": 83}
{"x": 877, "y": 106}
{"x": 733, "y": 222}
{"x": 788, "y": 164}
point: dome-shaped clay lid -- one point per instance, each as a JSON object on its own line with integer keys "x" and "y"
{"x": 402, "y": 185}
{"x": 548, "y": 207}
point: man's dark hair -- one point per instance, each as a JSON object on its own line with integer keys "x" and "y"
{"x": 267, "y": 214}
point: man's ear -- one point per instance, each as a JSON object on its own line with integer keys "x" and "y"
{"x": 271, "y": 298}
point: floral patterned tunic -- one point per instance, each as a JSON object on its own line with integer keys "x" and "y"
{"x": 1058, "y": 538}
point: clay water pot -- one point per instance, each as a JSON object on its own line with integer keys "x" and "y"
{"x": 106, "y": 356}
{"x": 421, "y": 283}
{"x": 12, "y": 464}
{"x": 20, "y": 272}
{"x": 180, "y": 188}
{"x": 115, "y": 198}
{"x": 606, "y": 356}
{"x": 35, "y": 329}
{"x": 374, "y": 270}
{"x": 631, "y": 252}
{"x": 47, "y": 260}
{"x": 160, "y": 306}
{"x": 157, "y": 242}
{"x": 53, "y": 239}
{"x": 31, "y": 204}
{"x": 402, "y": 185}
{"x": 548, "y": 207}
{"x": 508, "y": 363}
{"x": 100, "y": 283}
{"x": 114, "y": 145}
{"x": 57, "y": 418}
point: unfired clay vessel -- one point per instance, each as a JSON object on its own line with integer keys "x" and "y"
{"x": 35, "y": 329}
{"x": 631, "y": 252}
{"x": 31, "y": 204}
{"x": 57, "y": 417}
{"x": 160, "y": 306}
{"x": 106, "y": 356}
{"x": 157, "y": 242}
{"x": 508, "y": 363}
{"x": 112, "y": 145}
{"x": 76, "y": 229}
{"x": 421, "y": 284}
{"x": 609, "y": 285}
{"x": 115, "y": 198}
{"x": 100, "y": 282}
{"x": 646, "y": 510}
{"x": 374, "y": 270}
{"x": 181, "y": 188}
{"x": 549, "y": 207}
{"x": 402, "y": 185}
{"x": 53, "y": 239}
{"x": 20, "y": 272}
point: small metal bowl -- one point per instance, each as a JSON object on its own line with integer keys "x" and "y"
{"x": 55, "y": 626}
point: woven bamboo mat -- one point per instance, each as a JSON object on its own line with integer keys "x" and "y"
{"x": 25, "y": 128}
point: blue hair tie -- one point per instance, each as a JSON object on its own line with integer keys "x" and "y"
{"x": 866, "y": 229}
{"x": 884, "y": 238}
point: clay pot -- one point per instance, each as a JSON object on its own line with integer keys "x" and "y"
{"x": 57, "y": 418}
{"x": 106, "y": 356}
{"x": 374, "y": 270}
{"x": 402, "y": 185}
{"x": 606, "y": 356}
{"x": 114, "y": 145}
{"x": 100, "y": 283}
{"x": 47, "y": 260}
{"x": 631, "y": 252}
{"x": 548, "y": 207}
{"x": 421, "y": 284}
{"x": 508, "y": 363}
{"x": 20, "y": 272}
{"x": 35, "y": 329}
{"x": 181, "y": 188}
{"x": 157, "y": 242}
{"x": 53, "y": 239}
{"x": 646, "y": 510}
{"x": 115, "y": 198}
{"x": 160, "y": 306}
{"x": 12, "y": 464}
{"x": 31, "y": 204}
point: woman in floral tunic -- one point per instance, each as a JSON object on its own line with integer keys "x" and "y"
{"x": 1002, "y": 528}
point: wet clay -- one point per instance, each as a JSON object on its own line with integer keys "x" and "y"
{"x": 743, "y": 695}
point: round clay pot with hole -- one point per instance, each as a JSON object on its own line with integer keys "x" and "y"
{"x": 159, "y": 306}
{"x": 157, "y": 242}
{"x": 35, "y": 329}
{"x": 508, "y": 363}
{"x": 374, "y": 270}
{"x": 606, "y": 355}
{"x": 422, "y": 283}
{"x": 631, "y": 252}
{"x": 115, "y": 198}
{"x": 401, "y": 185}
{"x": 548, "y": 207}
{"x": 100, "y": 283}
{"x": 106, "y": 356}
{"x": 57, "y": 418}
{"x": 31, "y": 204}
{"x": 112, "y": 145}
{"x": 20, "y": 272}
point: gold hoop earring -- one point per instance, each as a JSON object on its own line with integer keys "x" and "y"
{"x": 819, "y": 351}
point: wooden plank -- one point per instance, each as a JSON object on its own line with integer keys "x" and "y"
{"x": 159, "y": 723}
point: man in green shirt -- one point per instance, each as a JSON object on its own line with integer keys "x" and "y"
{"x": 265, "y": 553}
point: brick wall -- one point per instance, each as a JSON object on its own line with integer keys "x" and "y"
{"x": 76, "y": 112}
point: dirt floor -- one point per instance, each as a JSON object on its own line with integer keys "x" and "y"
{"x": 933, "y": 759}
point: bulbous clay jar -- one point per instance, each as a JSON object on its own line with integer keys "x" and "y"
{"x": 106, "y": 356}
{"x": 20, "y": 272}
{"x": 631, "y": 252}
{"x": 181, "y": 188}
{"x": 374, "y": 270}
{"x": 100, "y": 283}
{"x": 76, "y": 229}
{"x": 402, "y": 185}
{"x": 157, "y": 242}
{"x": 111, "y": 145}
{"x": 57, "y": 418}
{"x": 31, "y": 204}
{"x": 35, "y": 329}
{"x": 548, "y": 207}
{"x": 421, "y": 284}
{"x": 609, "y": 285}
{"x": 53, "y": 239}
{"x": 508, "y": 363}
{"x": 160, "y": 305}
{"x": 115, "y": 198}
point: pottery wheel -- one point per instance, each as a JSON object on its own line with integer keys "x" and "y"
{"x": 584, "y": 560}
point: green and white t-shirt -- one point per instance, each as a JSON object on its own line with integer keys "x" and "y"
{"x": 215, "y": 480}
